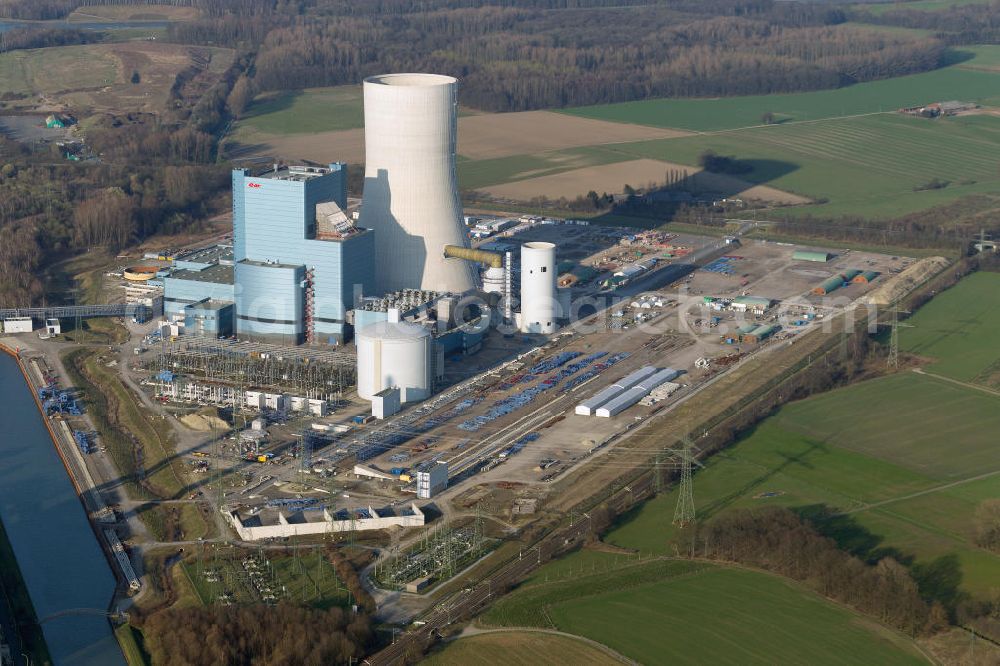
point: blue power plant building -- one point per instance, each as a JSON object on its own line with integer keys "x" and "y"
{"x": 300, "y": 260}
{"x": 298, "y": 263}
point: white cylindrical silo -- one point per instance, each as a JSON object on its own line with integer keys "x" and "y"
{"x": 411, "y": 190}
{"x": 539, "y": 307}
{"x": 395, "y": 354}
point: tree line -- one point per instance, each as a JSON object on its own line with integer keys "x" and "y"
{"x": 47, "y": 10}
{"x": 777, "y": 539}
{"x": 256, "y": 634}
{"x": 515, "y": 59}
{"x": 945, "y": 226}
{"x": 974, "y": 23}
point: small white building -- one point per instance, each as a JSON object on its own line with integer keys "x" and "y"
{"x": 385, "y": 403}
{"x": 255, "y": 400}
{"x": 276, "y": 401}
{"x": 17, "y": 325}
{"x": 431, "y": 479}
{"x": 52, "y": 327}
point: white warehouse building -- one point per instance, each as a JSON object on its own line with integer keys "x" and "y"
{"x": 633, "y": 395}
{"x": 587, "y": 407}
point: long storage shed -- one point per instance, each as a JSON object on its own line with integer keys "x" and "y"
{"x": 636, "y": 393}
{"x": 587, "y": 407}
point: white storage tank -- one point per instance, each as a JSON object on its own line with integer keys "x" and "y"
{"x": 395, "y": 354}
{"x": 539, "y": 306}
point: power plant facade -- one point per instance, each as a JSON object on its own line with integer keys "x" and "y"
{"x": 411, "y": 198}
{"x": 299, "y": 258}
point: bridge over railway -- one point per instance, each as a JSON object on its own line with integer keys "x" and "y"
{"x": 138, "y": 312}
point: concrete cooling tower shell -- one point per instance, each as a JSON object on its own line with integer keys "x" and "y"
{"x": 395, "y": 354}
{"x": 411, "y": 190}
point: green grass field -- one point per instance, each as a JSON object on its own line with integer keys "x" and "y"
{"x": 959, "y": 329}
{"x": 55, "y": 69}
{"x": 519, "y": 648}
{"x": 833, "y": 146}
{"x": 306, "y": 111}
{"x": 669, "y": 611}
{"x": 959, "y": 81}
{"x": 867, "y": 166}
{"x": 917, "y": 5}
{"x": 908, "y": 457}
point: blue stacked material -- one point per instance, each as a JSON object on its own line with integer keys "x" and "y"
{"x": 286, "y": 502}
{"x": 48, "y": 391}
{"x": 553, "y": 362}
{"x": 83, "y": 441}
{"x": 296, "y": 505}
{"x": 60, "y": 402}
{"x": 593, "y": 372}
{"x": 515, "y": 402}
{"x": 722, "y": 265}
{"x": 521, "y": 442}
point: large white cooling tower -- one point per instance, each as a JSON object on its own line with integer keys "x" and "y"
{"x": 411, "y": 192}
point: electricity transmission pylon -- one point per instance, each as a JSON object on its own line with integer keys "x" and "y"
{"x": 893, "y": 360}
{"x": 684, "y": 512}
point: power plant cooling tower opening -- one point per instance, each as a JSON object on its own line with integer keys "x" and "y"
{"x": 540, "y": 245}
{"x": 412, "y": 79}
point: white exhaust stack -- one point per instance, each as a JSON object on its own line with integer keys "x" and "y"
{"x": 539, "y": 307}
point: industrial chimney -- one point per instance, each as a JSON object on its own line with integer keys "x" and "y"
{"x": 411, "y": 191}
{"x": 539, "y": 306}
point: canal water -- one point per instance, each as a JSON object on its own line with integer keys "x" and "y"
{"x": 61, "y": 562}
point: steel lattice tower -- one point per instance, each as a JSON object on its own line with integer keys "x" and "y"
{"x": 684, "y": 513}
{"x": 893, "y": 360}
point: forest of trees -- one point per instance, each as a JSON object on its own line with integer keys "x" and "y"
{"x": 43, "y": 10}
{"x": 49, "y": 211}
{"x": 947, "y": 226}
{"x": 778, "y": 540}
{"x": 514, "y": 59}
{"x": 280, "y": 635}
{"x": 973, "y": 23}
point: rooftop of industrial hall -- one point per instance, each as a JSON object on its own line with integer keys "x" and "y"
{"x": 207, "y": 255}
{"x": 293, "y": 172}
{"x": 218, "y": 273}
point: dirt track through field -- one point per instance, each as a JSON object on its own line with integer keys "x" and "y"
{"x": 638, "y": 174}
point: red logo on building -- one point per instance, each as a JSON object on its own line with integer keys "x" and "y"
{"x": 253, "y": 184}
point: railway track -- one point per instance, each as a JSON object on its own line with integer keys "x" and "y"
{"x": 471, "y": 600}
